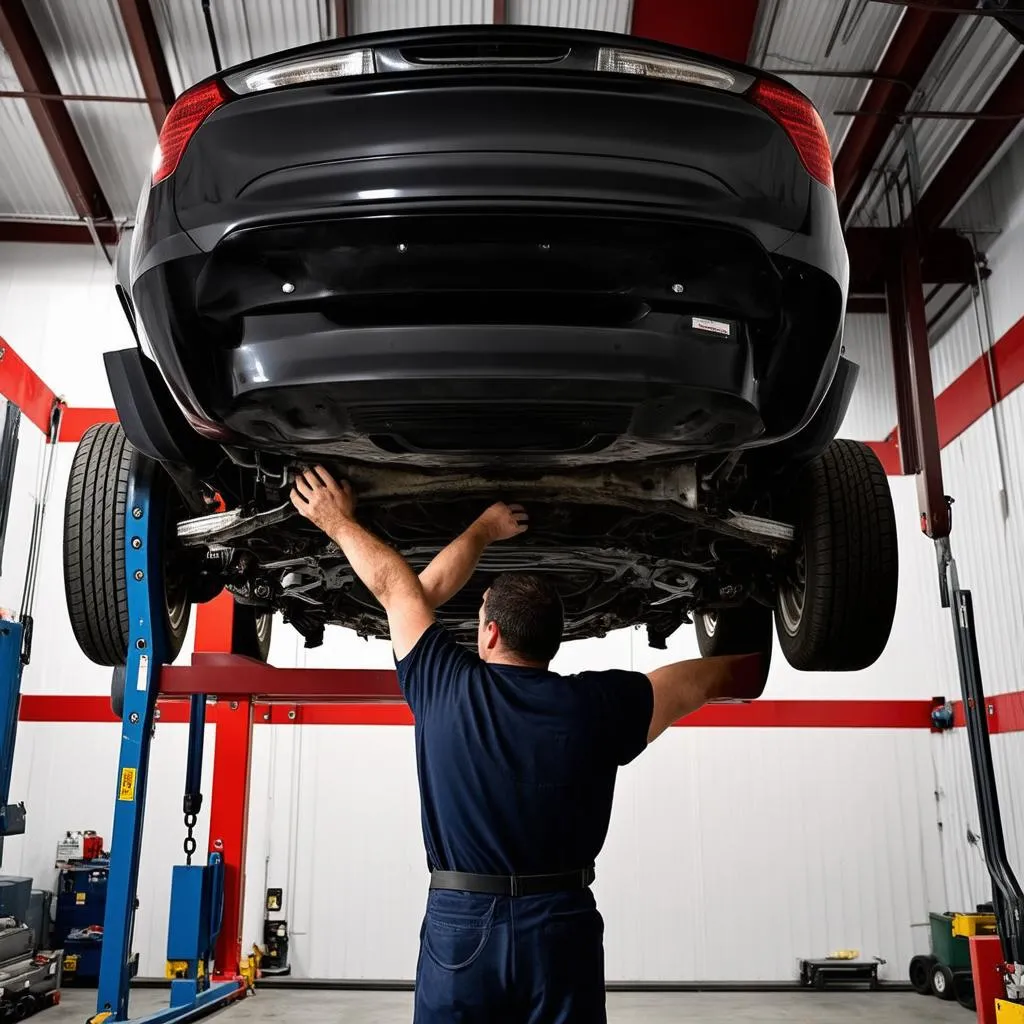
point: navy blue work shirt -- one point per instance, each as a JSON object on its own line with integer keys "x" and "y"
{"x": 517, "y": 765}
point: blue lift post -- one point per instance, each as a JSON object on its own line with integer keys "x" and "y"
{"x": 196, "y": 890}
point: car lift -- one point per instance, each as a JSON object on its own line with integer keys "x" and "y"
{"x": 919, "y": 452}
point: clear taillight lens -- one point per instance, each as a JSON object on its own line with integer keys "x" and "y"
{"x": 802, "y": 124}
{"x": 305, "y": 71}
{"x": 190, "y": 110}
{"x": 628, "y": 62}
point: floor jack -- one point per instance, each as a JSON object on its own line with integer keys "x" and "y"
{"x": 30, "y": 977}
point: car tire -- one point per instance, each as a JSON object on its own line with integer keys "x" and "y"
{"x": 746, "y": 629}
{"x": 920, "y": 974}
{"x": 835, "y": 609}
{"x": 941, "y": 980}
{"x": 94, "y": 541}
{"x": 251, "y": 631}
{"x": 117, "y": 677}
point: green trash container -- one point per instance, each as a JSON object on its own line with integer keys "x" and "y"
{"x": 952, "y": 950}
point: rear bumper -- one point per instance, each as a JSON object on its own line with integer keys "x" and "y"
{"x": 254, "y": 201}
{"x": 462, "y": 391}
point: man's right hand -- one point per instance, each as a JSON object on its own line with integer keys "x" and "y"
{"x": 501, "y": 521}
{"x": 321, "y": 499}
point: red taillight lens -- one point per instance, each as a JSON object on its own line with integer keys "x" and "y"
{"x": 798, "y": 117}
{"x": 190, "y": 110}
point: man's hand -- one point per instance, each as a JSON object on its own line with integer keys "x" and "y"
{"x": 501, "y": 521}
{"x": 451, "y": 568}
{"x": 323, "y": 500}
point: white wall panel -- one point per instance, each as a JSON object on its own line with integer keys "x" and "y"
{"x": 66, "y": 774}
{"x": 600, "y": 15}
{"x": 382, "y": 15}
{"x": 774, "y": 828}
{"x": 872, "y": 412}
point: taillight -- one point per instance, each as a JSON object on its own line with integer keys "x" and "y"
{"x": 190, "y": 110}
{"x": 802, "y": 124}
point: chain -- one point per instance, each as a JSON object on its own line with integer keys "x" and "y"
{"x": 190, "y": 842}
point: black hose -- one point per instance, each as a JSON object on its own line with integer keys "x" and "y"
{"x": 208, "y": 16}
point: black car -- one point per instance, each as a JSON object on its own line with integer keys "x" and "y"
{"x": 597, "y": 275}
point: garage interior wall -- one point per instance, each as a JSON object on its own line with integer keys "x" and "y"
{"x": 809, "y": 839}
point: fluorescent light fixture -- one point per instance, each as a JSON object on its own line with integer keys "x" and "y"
{"x": 629, "y": 62}
{"x": 301, "y": 72}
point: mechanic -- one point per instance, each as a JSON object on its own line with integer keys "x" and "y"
{"x": 516, "y": 767}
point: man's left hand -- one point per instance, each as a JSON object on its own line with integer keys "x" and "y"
{"x": 323, "y": 500}
{"x": 501, "y": 521}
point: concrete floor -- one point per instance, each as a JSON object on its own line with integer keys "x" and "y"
{"x": 329, "y": 1007}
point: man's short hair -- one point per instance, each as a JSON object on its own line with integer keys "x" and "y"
{"x": 528, "y": 612}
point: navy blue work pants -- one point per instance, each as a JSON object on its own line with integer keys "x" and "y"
{"x": 504, "y": 960}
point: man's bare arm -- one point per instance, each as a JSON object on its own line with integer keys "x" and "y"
{"x": 452, "y": 567}
{"x": 682, "y": 688}
{"x": 331, "y": 506}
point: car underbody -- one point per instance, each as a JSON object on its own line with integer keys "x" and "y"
{"x": 637, "y": 545}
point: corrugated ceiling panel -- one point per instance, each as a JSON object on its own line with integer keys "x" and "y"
{"x": 244, "y": 29}
{"x": 86, "y": 45}
{"x": 88, "y": 50}
{"x": 800, "y": 37}
{"x": 119, "y": 141}
{"x": 29, "y": 185}
{"x": 382, "y": 15}
{"x": 965, "y": 71}
{"x": 601, "y": 15}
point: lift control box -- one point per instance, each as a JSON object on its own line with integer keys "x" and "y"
{"x": 197, "y": 894}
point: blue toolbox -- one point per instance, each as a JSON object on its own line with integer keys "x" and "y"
{"x": 78, "y": 923}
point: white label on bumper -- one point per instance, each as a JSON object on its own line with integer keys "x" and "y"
{"x": 720, "y": 327}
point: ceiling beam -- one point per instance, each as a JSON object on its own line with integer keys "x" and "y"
{"x": 59, "y": 232}
{"x": 698, "y": 25}
{"x": 915, "y": 42}
{"x": 975, "y": 152}
{"x": 947, "y": 258}
{"x": 52, "y": 119}
{"x": 144, "y": 40}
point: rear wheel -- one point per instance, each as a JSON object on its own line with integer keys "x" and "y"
{"x": 941, "y": 978}
{"x": 94, "y": 547}
{"x": 746, "y": 629}
{"x": 920, "y": 974}
{"x": 835, "y": 607}
{"x": 250, "y": 631}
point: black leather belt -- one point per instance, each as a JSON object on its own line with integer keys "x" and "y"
{"x": 512, "y": 885}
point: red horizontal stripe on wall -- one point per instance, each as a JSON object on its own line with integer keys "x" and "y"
{"x": 20, "y": 384}
{"x": 764, "y": 714}
{"x": 75, "y": 422}
{"x": 1005, "y": 712}
{"x": 58, "y": 707}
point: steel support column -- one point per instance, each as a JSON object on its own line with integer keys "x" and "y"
{"x": 915, "y": 401}
{"x": 229, "y": 819}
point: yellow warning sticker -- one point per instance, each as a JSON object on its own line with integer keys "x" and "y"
{"x": 79, "y": 897}
{"x": 127, "y": 788}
